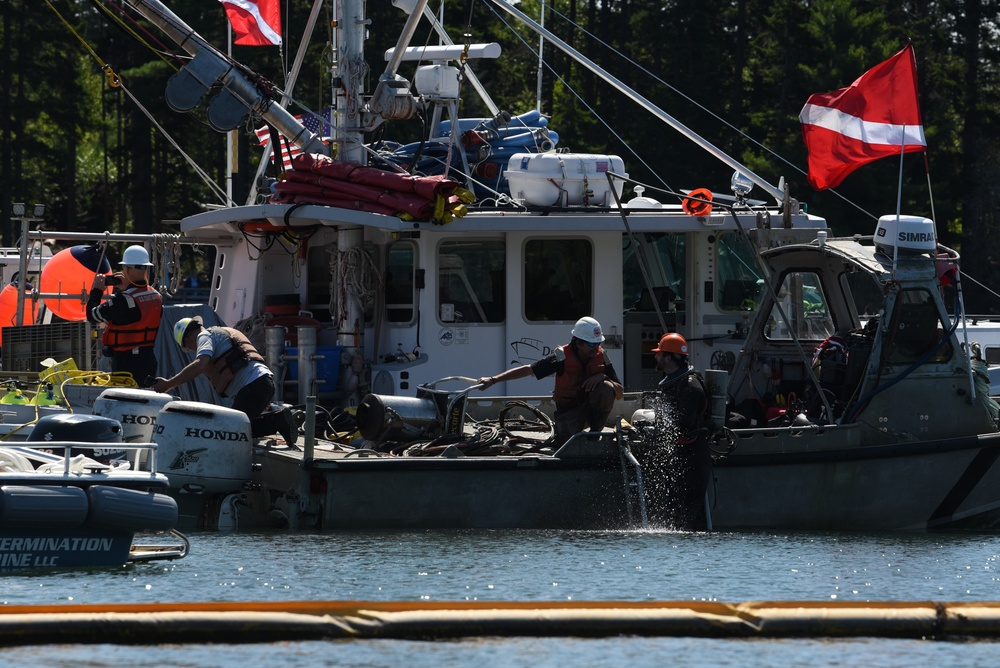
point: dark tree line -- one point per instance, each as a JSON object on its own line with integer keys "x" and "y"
{"x": 95, "y": 155}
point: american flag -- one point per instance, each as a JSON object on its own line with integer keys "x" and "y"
{"x": 290, "y": 150}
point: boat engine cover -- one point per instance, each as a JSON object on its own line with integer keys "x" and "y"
{"x": 203, "y": 448}
{"x": 83, "y": 428}
{"x": 135, "y": 409}
{"x": 77, "y": 427}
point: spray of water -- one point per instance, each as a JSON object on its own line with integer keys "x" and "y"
{"x": 669, "y": 472}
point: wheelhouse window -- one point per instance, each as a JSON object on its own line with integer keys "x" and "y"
{"x": 400, "y": 297}
{"x": 471, "y": 282}
{"x": 740, "y": 285}
{"x": 663, "y": 258}
{"x": 558, "y": 279}
{"x": 916, "y": 330}
{"x": 803, "y": 312}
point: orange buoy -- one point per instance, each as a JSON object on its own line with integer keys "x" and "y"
{"x": 71, "y": 272}
{"x": 8, "y": 307}
{"x": 693, "y": 207}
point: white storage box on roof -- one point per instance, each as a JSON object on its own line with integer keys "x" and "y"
{"x": 564, "y": 179}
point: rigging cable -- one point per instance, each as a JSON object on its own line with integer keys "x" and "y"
{"x": 115, "y": 82}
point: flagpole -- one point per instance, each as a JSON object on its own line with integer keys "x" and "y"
{"x": 899, "y": 200}
{"x": 231, "y": 135}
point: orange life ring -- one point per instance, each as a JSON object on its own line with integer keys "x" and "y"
{"x": 693, "y": 207}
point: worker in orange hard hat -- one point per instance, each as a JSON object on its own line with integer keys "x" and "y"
{"x": 686, "y": 405}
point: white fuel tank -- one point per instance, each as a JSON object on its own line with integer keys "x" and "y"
{"x": 203, "y": 448}
{"x": 564, "y": 179}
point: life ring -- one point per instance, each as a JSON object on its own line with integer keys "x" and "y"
{"x": 694, "y": 207}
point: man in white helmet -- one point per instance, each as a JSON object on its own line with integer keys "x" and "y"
{"x": 586, "y": 384}
{"x": 236, "y": 370}
{"x": 131, "y": 316}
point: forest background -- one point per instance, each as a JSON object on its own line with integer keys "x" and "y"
{"x": 737, "y": 72}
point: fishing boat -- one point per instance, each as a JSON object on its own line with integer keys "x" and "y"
{"x": 886, "y": 424}
{"x": 74, "y": 495}
{"x": 380, "y": 295}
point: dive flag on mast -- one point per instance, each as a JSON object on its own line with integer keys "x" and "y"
{"x": 255, "y": 22}
{"x": 870, "y": 119}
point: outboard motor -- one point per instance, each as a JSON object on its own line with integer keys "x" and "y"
{"x": 135, "y": 409}
{"x": 203, "y": 448}
{"x": 83, "y": 428}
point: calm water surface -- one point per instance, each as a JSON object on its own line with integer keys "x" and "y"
{"x": 540, "y": 566}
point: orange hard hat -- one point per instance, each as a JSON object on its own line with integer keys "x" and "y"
{"x": 672, "y": 343}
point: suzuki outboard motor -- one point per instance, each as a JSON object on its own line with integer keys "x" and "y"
{"x": 78, "y": 427}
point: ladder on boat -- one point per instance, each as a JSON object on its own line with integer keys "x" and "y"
{"x": 635, "y": 494}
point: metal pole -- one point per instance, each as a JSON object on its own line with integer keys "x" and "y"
{"x": 22, "y": 268}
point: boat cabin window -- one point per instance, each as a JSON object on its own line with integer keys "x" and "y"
{"x": 915, "y": 330}
{"x": 558, "y": 279}
{"x": 663, "y": 258}
{"x": 400, "y": 297}
{"x": 741, "y": 287}
{"x": 803, "y": 312}
{"x": 866, "y": 293}
{"x": 471, "y": 281}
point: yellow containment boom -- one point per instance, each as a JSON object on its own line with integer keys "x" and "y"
{"x": 235, "y": 622}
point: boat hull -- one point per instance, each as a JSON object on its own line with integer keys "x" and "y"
{"x": 586, "y": 488}
{"x": 916, "y": 486}
{"x": 43, "y": 549}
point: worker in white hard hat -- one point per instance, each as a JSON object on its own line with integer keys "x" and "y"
{"x": 131, "y": 316}
{"x": 236, "y": 370}
{"x": 586, "y": 383}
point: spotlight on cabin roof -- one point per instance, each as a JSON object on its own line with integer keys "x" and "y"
{"x": 908, "y": 234}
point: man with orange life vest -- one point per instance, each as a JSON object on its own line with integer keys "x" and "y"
{"x": 236, "y": 370}
{"x": 687, "y": 469}
{"x": 586, "y": 384}
{"x": 131, "y": 317}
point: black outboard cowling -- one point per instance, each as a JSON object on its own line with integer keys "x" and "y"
{"x": 81, "y": 428}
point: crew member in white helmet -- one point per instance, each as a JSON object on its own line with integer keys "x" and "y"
{"x": 586, "y": 384}
{"x": 131, "y": 316}
{"x": 236, "y": 370}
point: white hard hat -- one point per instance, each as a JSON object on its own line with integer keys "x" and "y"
{"x": 588, "y": 329}
{"x": 180, "y": 329}
{"x": 135, "y": 256}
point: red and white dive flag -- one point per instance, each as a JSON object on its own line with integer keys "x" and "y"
{"x": 255, "y": 22}
{"x": 870, "y": 119}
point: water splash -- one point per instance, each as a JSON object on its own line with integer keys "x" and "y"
{"x": 671, "y": 472}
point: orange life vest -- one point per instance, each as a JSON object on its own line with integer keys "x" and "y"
{"x": 225, "y": 365}
{"x": 139, "y": 334}
{"x": 568, "y": 391}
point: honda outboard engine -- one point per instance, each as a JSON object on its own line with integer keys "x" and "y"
{"x": 203, "y": 448}
{"x": 135, "y": 409}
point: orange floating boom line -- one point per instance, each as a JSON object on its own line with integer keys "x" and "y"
{"x": 241, "y": 622}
